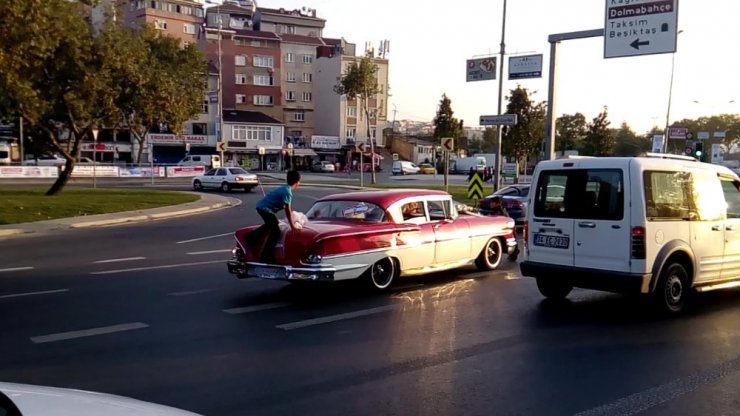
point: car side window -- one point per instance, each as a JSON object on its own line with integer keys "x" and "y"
{"x": 439, "y": 210}
{"x": 221, "y": 172}
{"x": 732, "y": 197}
{"x": 413, "y": 213}
{"x": 210, "y": 172}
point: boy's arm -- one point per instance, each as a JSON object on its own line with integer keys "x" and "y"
{"x": 289, "y": 217}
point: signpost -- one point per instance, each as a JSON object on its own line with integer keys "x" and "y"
{"x": 475, "y": 187}
{"x": 448, "y": 145}
{"x": 640, "y": 28}
{"x": 261, "y": 152}
{"x": 95, "y": 156}
{"x": 502, "y": 120}
{"x": 292, "y": 153}
{"x": 529, "y": 66}
{"x": 221, "y": 148}
{"x": 481, "y": 69}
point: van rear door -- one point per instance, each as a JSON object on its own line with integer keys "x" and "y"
{"x": 550, "y": 231}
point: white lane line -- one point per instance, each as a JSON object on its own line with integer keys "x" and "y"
{"x": 191, "y": 292}
{"x": 43, "y": 292}
{"x": 16, "y": 269}
{"x": 166, "y": 266}
{"x": 119, "y": 260}
{"x": 339, "y": 317}
{"x": 63, "y": 336}
{"x": 204, "y": 238}
{"x": 256, "y": 308}
{"x": 198, "y": 253}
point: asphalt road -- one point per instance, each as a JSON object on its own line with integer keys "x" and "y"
{"x": 148, "y": 311}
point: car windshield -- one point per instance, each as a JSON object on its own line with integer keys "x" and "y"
{"x": 237, "y": 171}
{"x": 346, "y": 211}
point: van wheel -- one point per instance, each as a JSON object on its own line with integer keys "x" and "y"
{"x": 490, "y": 257}
{"x": 225, "y": 187}
{"x": 197, "y": 186}
{"x": 553, "y": 289}
{"x": 381, "y": 274}
{"x": 672, "y": 290}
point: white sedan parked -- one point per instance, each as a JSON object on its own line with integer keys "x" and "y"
{"x": 49, "y": 160}
{"x": 226, "y": 179}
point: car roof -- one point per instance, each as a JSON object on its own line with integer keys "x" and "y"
{"x": 383, "y": 198}
{"x": 644, "y": 162}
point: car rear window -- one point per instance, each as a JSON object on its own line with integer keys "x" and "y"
{"x": 596, "y": 194}
{"x": 237, "y": 171}
{"x": 346, "y": 211}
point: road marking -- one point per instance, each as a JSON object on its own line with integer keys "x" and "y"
{"x": 191, "y": 292}
{"x": 63, "y": 336}
{"x": 119, "y": 260}
{"x": 639, "y": 402}
{"x": 338, "y": 317}
{"x": 166, "y": 266}
{"x": 256, "y": 308}
{"x": 198, "y": 253}
{"x": 43, "y": 292}
{"x": 204, "y": 238}
{"x": 16, "y": 269}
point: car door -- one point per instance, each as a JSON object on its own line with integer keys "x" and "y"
{"x": 220, "y": 176}
{"x": 706, "y": 225}
{"x": 550, "y": 228}
{"x": 731, "y": 259}
{"x": 452, "y": 237}
{"x": 416, "y": 248}
{"x": 601, "y": 220}
{"x": 207, "y": 179}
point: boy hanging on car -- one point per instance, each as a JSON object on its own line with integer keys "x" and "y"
{"x": 268, "y": 207}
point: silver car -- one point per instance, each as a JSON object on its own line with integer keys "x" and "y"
{"x": 226, "y": 179}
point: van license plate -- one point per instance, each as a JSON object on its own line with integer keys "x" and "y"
{"x": 553, "y": 241}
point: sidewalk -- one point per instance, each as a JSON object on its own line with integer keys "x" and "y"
{"x": 206, "y": 203}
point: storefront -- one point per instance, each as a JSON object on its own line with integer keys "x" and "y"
{"x": 110, "y": 152}
{"x": 170, "y": 148}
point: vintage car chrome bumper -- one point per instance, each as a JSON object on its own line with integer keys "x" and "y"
{"x": 318, "y": 272}
{"x": 511, "y": 245}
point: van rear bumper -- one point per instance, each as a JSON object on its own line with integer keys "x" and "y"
{"x": 605, "y": 280}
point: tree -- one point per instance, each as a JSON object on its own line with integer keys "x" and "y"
{"x": 525, "y": 138}
{"x": 360, "y": 82}
{"x": 628, "y": 143}
{"x": 570, "y": 132}
{"x": 53, "y": 74}
{"x": 445, "y": 125}
{"x": 485, "y": 145}
{"x": 599, "y": 138}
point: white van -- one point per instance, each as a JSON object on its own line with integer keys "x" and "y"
{"x": 404, "y": 167}
{"x": 211, "y": 161}
{"x": 658, "y": 225}
{"x": 5, "y": 158}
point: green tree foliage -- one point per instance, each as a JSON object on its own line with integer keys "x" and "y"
{"x": 599, "y": 138}
{"x": 445, "y": 125}
{"x": 628, "y": 143}
{"x": 485, "y": 145}
{"x": 360, "y": 82}
{"x": 525, "y": 138}
{"x": 728, "y": 123}
{"x": 570, "y": 132}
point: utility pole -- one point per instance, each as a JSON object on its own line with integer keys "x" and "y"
{"x": 497, "y": 174}
{"x": 220, "y": 137}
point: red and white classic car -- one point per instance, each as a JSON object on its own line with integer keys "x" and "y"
{"x": 378, "y": 236}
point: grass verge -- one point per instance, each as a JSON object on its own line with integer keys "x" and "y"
{"x": 19, "y": 205}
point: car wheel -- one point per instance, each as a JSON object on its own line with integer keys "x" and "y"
{"x": 381, "y": 274}
{"x": 553, "y": 289}
{"x": 197, "y": 186}
{"x": 225, "y": 187}
{"x": 490, "y": 257}
{"x": 248, "y": 188}
{"x": 672, "y": 290}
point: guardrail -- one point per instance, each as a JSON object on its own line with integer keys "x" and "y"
{"x": 102, "y": 171}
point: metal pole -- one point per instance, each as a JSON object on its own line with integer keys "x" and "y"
{"x": 497, "y": 177}
{"x": 670, "y": 96}
{"x": 95, "y": 162}
{"x": 220, "y": 137}
{"x": 20, "y": 130}
{"x": 552, "y": 83}
{"x": 151, "y": 161}
{"x": 447, "y": 170}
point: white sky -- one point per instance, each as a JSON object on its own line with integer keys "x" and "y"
{"x": 431, "y": 40}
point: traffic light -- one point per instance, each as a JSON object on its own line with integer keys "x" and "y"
{"x": 699, "y": 150}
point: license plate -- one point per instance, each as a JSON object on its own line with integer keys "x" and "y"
{"x": 268, "y": 272}
{"x": 552, "y": 241}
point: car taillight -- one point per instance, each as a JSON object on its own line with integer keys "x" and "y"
{"x": 638, "y": 242}
{"x": 513, "y": 203}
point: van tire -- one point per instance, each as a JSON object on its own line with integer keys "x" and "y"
{"x": 490, "y": 257}
{"x": 672, "y": 290}
{"x": 553, "y": 289}
{"x": 225, "y": 187}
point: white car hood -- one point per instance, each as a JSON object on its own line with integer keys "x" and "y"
{"x": 48, "y": 401}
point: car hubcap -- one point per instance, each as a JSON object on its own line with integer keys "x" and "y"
{"x": 382, "y": 273}
{"x": 674, "y": 290}
{"x": 492, "y": 253}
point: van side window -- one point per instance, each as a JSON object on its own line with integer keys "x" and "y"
{"x": 595, "y": 194}
{"x": 666, "y": 195}
{"x": 732, "y": 196}
{"x": 707, "y": 199}
{"x": 549, "y": 197}
{"x": 603, "y": 198}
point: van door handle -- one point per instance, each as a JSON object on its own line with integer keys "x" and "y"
{"x": 586, "y": 224}
{"x": 715, "y": 228}
{"x": 730, "y": 228}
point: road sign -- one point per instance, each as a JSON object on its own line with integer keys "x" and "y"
{"x": 502, "y": 120}
{"x": 221, "y": 146}
{"x": 395, "y": 156}
{"x": 703, "y": 135}
{"x": 510, "y": 170}
{"x": 448, "y": 144}
{"x": 261, "y": 150}
{"x": 360, "y": 147}
{"x": 475, "y": 187}
{"x": 689, "y": 136}
{"x": 678, "y": 133}
{"x": 482, "y": 69}
{"x": 634, "y": 28}
{"x": 290, "y": 146}
{"x": 529, "y": 66}
{"x": 688, "y": 151}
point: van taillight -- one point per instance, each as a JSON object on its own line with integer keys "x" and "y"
{"x": 638, "y": 242}
{"x": 525, "y": 231}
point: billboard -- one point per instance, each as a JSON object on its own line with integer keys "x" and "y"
{"x": 522, "y": 67}
{"x": 481, "y": 69}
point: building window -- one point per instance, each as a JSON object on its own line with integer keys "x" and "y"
{"x": 307, "y": 96}
{"x": 307, "y": 59}
{"x": 351, "y": 132}
{"x": 299, "y": 116}
{"x": 263, "y": 61}
{"x": 307, "y": 77}
{"x": 188, "y": 28}
{"x": 200, "y": 129}
{"x": 290, "y": 95}
{"x": 263, "y": 80}
{"x": 204, "y": 109}
{"x": 240, "y": 60}
{"x": 263, "y": 100}
{"x": 241, "y": 79}
{"x": 244, "y": 133}
{"x": 241, "y": 99}
{"x": 255, "y": 43}
{"x": 290, "y": 76}
{"x": 372, "y": 132}
{"x": 239, "y": 133}
{"x": 160, "y": 24}
{"x": 290, "y": 57}
{"x": 351, "y": 111}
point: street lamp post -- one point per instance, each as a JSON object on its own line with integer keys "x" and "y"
{"x": 497, "y": 174}
{"x": 220, "y": 87}
{"x": 670, "y": 96}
